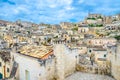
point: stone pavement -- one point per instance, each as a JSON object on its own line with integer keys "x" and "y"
{"x": 88, "y": 76}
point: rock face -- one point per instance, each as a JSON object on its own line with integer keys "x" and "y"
{"x": 87, "y": 76}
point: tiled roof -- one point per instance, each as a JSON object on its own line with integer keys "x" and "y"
{"x": 41, "y": 52}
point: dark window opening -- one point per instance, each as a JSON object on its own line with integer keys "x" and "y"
{"x": 8, "y": 70}
{"x": 104, "y": 55}
{"x": 90, "y": 51}
{"x": 0, "y": 64}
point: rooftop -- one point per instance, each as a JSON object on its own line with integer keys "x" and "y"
{"x": 41, "y": 52}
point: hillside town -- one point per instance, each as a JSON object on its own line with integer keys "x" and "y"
{"x": 85, "y": 50}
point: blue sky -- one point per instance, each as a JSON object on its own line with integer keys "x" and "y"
{"x": 55, "y": 11}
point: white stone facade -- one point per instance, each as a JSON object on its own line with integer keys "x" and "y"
{"x": 62, "y": 65}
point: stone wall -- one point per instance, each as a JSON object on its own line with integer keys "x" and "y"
{"x": 93, "y": 69}
{"x": 115, "y": 61}
{"x": 66, "y": 60}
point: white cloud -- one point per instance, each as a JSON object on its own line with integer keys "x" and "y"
{"x": 69, "y": 8}
{"x": 107, "y": 9}
{"x": 54, "y": 11}
{"x": 52, "y": 6}
{"x": 81, "y": 1}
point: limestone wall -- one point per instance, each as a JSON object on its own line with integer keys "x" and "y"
{"x": 116, "y": 64}
{"x": 66, "y": 60}
{"x": 105, "y": 70}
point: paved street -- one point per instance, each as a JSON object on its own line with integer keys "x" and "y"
{"x": 87, "y": 76}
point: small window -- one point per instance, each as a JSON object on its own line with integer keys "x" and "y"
{"x": 8, "y": 70}
{"x": 0, "y": 64}
{"x": 104, "y": 55}
{"x": 13, "y": 58}
{"x": 110, "y": 52}
{"x": 89, "y": 41}
{"x": 90, "y": 51}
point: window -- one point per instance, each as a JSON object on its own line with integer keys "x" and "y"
{"x": 0, "y": 64}
{"x": 13, "y": 58}
{"x": 90, "y": 51}
{"x": 90, "y": 42}
{"x": 95, "y": 42}
{"x": 84, "y": 30}
{"x": 104, "y": 55}
{"x": 8, "y": 70}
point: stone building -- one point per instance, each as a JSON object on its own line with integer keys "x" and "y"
{"x": 101, "y": 41}
{"x": 83, "y": 28}
{"x": 115, "y": 63}
{"x": 44, "y": 62}
{"x": 5, "y": 65}
{"x": 108, "y": 19}
{"x": 66, "y": 25}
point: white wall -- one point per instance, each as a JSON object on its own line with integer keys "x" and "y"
{"x": 37, "y": 72}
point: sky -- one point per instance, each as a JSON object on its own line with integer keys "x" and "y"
{"x": 55, "y": 11}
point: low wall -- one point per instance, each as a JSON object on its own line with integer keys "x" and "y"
{"x": 93, "y": 69}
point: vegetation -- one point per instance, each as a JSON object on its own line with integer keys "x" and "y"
{"x": 115, "y": 20}
{"x": 75, "y": 29}
{"x": 99, "y": 25}
{"x": 96, "y": 25}
{"x": 75, "y": 25}
{"x": 91, "y": 25}
{"x": 117, "y": 37}
{"x": 49, "y": 40}
{"x": 48, "y": 26}
{"x": 100, "y": 17}
{"x": 17, "y": 31}
{"x": 108, "y": 33}
{"x": 56, "y": 37}
{"x": 92, "y": 18}
{"x": 28, "y": 32}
